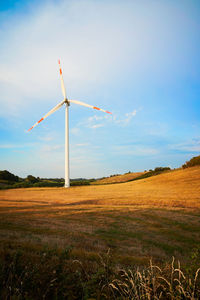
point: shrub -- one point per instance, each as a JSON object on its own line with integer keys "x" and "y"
{"x": 195, "y": 161}
{"x": 48, "y": 184}
{"x": 31, "y": 179}
{"x": 162, "y": 169}
{"x": 80, "y": 182}
{"x": 5, "y": 175}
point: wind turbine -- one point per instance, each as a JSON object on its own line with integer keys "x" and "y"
{"x": 67, "y": 104}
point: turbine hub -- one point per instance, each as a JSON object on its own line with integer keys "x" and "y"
{"x": 67, "y": 102}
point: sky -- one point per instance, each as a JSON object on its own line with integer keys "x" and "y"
{"x": 138, "y": 59}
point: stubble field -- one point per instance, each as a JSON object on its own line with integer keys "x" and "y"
{"x": 154, "y": 217}
{"x": 157, "y": 217}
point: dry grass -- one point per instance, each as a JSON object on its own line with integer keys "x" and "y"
{"x": 157, "y": 216}
{"x": 156, "y": 283}
{"x": 118, "y": 178}
{"x": 179, "y": 188}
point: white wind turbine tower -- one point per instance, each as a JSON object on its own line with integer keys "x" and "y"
{"x": 67, "y": 104}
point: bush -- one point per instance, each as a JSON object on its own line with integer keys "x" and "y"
{"x": 5, "y": 175}
{"x": 31, "y": 179}
{"x": 195, "y": 161}
{"x": 23, "y": 184}
{"x": 48, "y": 184}
{"x": 80, "y": 182}
{"x": 162, "y": 169}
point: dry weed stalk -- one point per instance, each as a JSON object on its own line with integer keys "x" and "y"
{"x": 154, "y": 283}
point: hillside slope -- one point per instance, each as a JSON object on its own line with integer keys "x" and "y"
{"x": 118, "y": 178}
{"x": 180, "y": 188}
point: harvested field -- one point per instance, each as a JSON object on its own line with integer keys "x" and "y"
{"x": 118, "y": 178}
{"x": 154, "y": 217}
{"x": 71, "y": 230}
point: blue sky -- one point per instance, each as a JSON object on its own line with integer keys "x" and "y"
{"x": 139, "y": 59}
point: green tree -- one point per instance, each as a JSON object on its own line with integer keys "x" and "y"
{"x": 31, "y": 179}
{"x": 194, "y": 161}
{"x": 6, "y": 175}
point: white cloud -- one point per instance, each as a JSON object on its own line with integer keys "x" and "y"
{"x": 91, "y": 122}
{"x": 96, "y": 126}
{"x": 126, "y": 119}
{"x": 47, "y": 138}
{"x": 95, "y": 118}
{"x": 52, "y": 30}
{"x": 82, "y": 145}
{"x": 92, "y": 51}
{"x": 135, "y": 150}
{"x": 188, "y": 146}
{"x": 50, "y": 148}
{"x": 131, "y": 114}
{"x": 75, "y": 131}
{"x": 13, "y": 146}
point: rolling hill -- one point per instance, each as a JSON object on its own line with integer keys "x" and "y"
{"x": 118, "y": 178}
{"x": 179, "y": 188}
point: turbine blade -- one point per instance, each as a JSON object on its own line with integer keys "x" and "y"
{"x": 48, "y": 114}
{"x": 62, "y": 81}
{"x": 87, "y": 105}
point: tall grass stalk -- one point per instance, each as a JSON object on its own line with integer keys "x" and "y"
{"x": 156, "y": 283}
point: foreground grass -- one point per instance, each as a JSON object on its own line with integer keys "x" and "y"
{"x": 52, "y": 274}
{"x": 56, "y": 241}
{"x": 132, "y": 234}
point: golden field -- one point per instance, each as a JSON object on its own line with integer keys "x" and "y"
{"x": 153, "y": 217}
{"x": 118, "y": 178}
{"x": 179, "y": 188}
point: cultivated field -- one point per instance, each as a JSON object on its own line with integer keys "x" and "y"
{"x": 157, "y": 217}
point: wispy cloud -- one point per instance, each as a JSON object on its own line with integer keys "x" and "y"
{"x": 125, "y": 119}
{"x": 131, "y": 114}
{"x": 96, "y": 126}
{"x": 37, "y": 57}
{"x": 95, "y": 121}
{"x": 47, "y": 138}
{"x": 15, "y": 146}
{"x": 50, "y": 148}
{"x": 75, "y": 130}
{"x": 106, "y": 47}
{"x": 135, "y": 150}
{"x": 91, "y": 122}
{"x": 82, "y": 145}
{"x": 96, "y": 118}
{"x": 188, "y": 146}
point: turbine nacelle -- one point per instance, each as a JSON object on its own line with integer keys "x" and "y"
{"x": 67, "y": 102}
